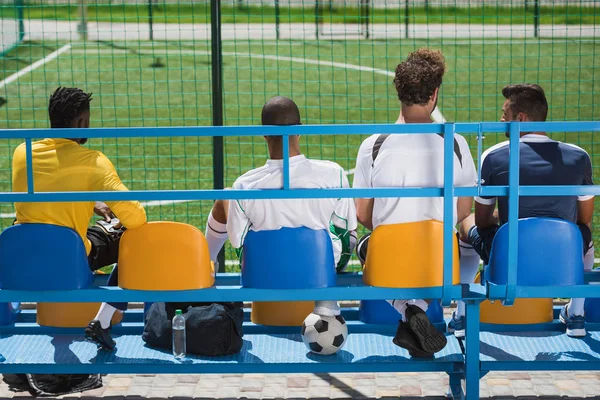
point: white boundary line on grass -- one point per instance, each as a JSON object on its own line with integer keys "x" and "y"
{"x": 437, "y": 115}
{"x": 34, "y": 66}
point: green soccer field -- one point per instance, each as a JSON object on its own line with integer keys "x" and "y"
{"x": 332, "y": 81}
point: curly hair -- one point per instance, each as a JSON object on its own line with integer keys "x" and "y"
{"x": 528, "y": 99}
{"x": 419, "y": 75}
{"x": 66, "y": 104}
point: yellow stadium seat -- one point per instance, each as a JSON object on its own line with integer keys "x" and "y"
{"x": 164, "y": 256}
{"x": 69, "y": 315}
{"x": 408, "y": 255}
{"x": 290, "y": 313}
{"x": 523, "y": 311}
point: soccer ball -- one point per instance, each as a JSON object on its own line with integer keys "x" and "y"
{"x": 324, "y": 335}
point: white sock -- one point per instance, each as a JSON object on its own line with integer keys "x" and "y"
{"x": 216, "y": 236}
{"x": 327, "y": 308}
{"x": 105, "y": 315}
{"x": 577, "y": 306}
{"x": 469, "y": 265}
{"x": 400, "y": 306}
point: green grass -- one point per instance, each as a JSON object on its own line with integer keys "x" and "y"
{"x": 200, "y": 12}
{"x": 129, "y": 92}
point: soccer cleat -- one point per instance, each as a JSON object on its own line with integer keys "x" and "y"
{"x": 406, "y": 339}
{"x": 457, "y": 325}
{"x": 327, "y": 308}
{"x": 95, "y": 333}
{"x": 430, "y": 339}
{"x": 575, "y": 323}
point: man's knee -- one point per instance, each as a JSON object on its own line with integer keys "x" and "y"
{"x": 220, "y": 210}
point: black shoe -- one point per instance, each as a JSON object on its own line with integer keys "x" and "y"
{"x": 406, "y": 339}
{"x": 95, "y": 333}
{"x": 430, "y": 339}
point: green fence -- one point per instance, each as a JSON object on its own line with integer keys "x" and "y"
{"x": 156, "y": 63}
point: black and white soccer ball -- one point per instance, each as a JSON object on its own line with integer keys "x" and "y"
{"x": 324, "y": 335}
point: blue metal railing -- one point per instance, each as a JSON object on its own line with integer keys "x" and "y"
{"x": 448, "y": 191}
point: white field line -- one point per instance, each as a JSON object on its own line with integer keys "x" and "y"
{"x": 34, "y": 66}
{"x": 437, "y": 115}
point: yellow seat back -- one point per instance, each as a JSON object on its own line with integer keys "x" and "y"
{"x": 409, "y": 255}
{"x": 523, "y": 311}
{"x": 70, "y": 315}
{"x": 164, "y": 256}
{"x": 288, "y": 313}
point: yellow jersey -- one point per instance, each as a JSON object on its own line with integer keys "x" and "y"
{"x": 62, "y": 165}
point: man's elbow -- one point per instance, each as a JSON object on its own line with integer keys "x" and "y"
{"x": 135, "y": 219}
{"x": 364, "y": 219}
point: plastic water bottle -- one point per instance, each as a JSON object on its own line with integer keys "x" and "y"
{"x": 178, "y": 335}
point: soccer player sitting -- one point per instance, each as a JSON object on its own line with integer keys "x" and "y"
{"x": 64, "y": 165}
{"x": 412, "y": 161}
{"x": 543, "y": 161}
{"x": 233, "y": 219}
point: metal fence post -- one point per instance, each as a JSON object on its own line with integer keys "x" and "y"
{"x": 406, "y": 17}
{"x": 276, "y": 19}
{"x": 217, "y": 102}
{"x": 536, "y": 18}
{"x": 150, "y": 20}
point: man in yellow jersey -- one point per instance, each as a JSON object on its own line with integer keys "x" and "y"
{"x": 64, "y": 165}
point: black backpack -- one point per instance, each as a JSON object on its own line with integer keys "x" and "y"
{"x": 212, "y": 329}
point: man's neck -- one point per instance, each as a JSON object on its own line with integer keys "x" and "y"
{"x": 414, "y": 115}
{"x": 533, "y": 133}
{"x": 278, "y": 155}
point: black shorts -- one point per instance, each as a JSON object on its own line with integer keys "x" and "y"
{"x": 105, "y": 249}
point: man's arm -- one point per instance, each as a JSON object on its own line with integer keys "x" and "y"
{"x": 130, "y": 213}
{"x": 364, "y": 212}
{"x": 238, "y": 222}
{"x": 463, "y": 208}
{"x": 362, "y": 179}
{"x": 484, "y": 215}
{"x": 585, "y": 204}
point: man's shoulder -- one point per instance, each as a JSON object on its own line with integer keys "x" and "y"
{"x": 573, "y": 148}
{"x": 497, "y": 149}
{"x": 250, "y": 177}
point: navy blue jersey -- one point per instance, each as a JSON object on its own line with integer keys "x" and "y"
{"x": 543, "y": 161}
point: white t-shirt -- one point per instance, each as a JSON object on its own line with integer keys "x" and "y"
{"x": 273, "y": 214}
{"x": 410, "y": 161}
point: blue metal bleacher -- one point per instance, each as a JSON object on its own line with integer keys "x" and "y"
{"x": 26, "y": 347}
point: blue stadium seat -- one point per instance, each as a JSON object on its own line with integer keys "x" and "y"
{"x": 43, "y": 257}
{"x": 550, "y": 253}
{"x": 288, "y": 258}
{"x": 382, "y": 312}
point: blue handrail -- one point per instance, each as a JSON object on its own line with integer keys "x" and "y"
{"x": 448, "y": 191}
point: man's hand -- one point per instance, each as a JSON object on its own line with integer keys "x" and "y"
{"x": 102, "y": 210}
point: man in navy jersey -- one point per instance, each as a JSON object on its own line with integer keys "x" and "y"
{"x": 543, "y": 161}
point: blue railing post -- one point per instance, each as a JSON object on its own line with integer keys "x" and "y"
{"x": 513, "y": 212}
{"x": 448, "y": 212}
{"x": 286, "y": 161}
{"x": 29, "y": 162}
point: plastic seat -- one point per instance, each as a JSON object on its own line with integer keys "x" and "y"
{"x": 288, "y": 258}
{"x": 523, "y": 311}
{"x": 382, "y": 312}
{"x": 43, "y": 257}
{"x": 550, "y": 253}
{"x": 47, "y": 257}
{"x": 409, "y": 255}
{"x": 164, "y": 256}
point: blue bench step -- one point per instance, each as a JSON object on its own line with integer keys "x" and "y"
{"x": 261, "y": 353}
{"x": 535, "y": 350}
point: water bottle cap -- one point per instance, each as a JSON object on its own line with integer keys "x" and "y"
{"x": 177, "y": 312}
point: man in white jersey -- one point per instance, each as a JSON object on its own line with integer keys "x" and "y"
{"x": 412, "y": 161}
{"x": 233, "y": 219}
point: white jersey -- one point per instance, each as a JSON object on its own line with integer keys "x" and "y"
{"x": 410, "y": 161}
{"x": 273, "y": 214}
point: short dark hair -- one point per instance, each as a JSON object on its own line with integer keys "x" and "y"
{"x": 66, "y": 104}
{"x": 419, "y": 75}
{"x": 528, "y": 99}
{"x": 280, "y": 111}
